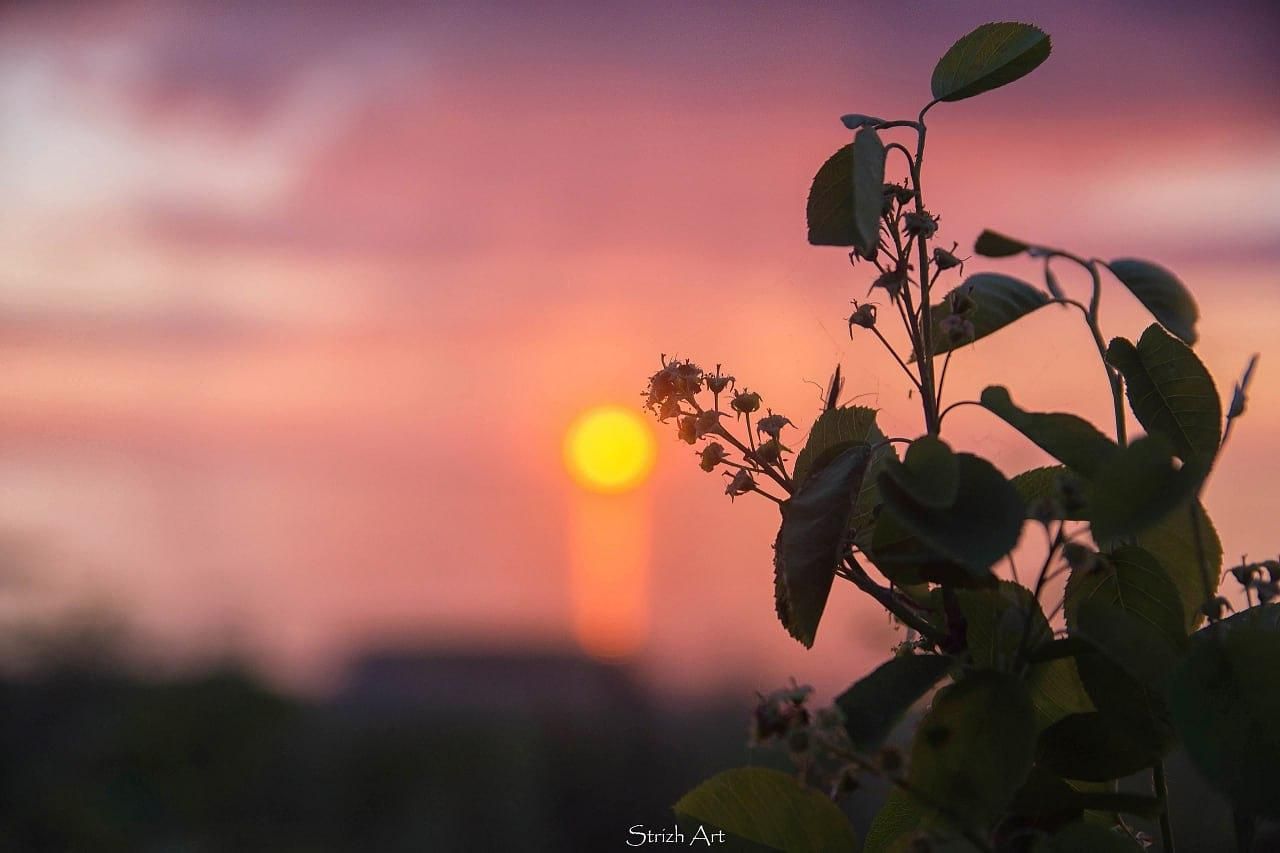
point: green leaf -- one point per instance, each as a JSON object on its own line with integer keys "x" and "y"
{"x": 1132, "y": 709}
{"x": 829, "y": 212}
{"x": 1225, "y": 702}
{"x": 835, "y": 431}
{"x": 771, "y": 808}
{"x": 1162, "y": 293}
{"x": 978, "y": 527}
{"x": 1056, "y": 690}
{"x": 993, "y": 244}
{"x": 904, "y": 559}
{"x": 900, "y": 816}
{"x": 998, "y": 301}
{"x": 811, "y": 541}
{"x": 1083, "y": 837}
{"x": 1092, "y": 747}
{"x": 846, "y": 196}
{"x": 1069, "y": 439}
{"x": 868, "y": 190}
{"x": 974, "y": 748}
{"x": 1141, "y": 652}
{"x": 1047, "y": 483}
{"x": 1129, "y": 608}
{"x": 853, "y": 121}
{"x": 987, "y": 58}
{"x": 903, "y": 822}
{"x": 875, "y": 704}
{"x": 1130, "y": 611}
{"x": 930, "y": 472}
{"x": 1140, "y": 486}
{"x": 1173, "y": 543}
{"x": 1170, "y": 392}
{"x": 995, "y": 620}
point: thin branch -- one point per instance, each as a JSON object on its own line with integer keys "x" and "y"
{"x": 1040, "y": 582}
{"x": 885, "y": 596}
{"x": 957, "y": 404}
{"x": 942, "y": 380}
{"x": 898, "y": 359}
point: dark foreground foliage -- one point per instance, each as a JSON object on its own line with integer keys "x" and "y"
{"x": 1040, "y": 708}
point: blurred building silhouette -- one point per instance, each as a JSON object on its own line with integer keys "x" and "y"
{"x": 546, "y": 684}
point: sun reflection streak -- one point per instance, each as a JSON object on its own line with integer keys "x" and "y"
{"x": 609, "y": 551}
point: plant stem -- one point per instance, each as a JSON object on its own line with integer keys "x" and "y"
{"x": 859, "y": 577}
{"x": 1040, "y": 581}
{"x": 929, "y": 396}
{"x": 1091, "y": 318}
{"x": 1162, "y": 792}
{"x": 897, "y": 358}
{"x": 957, "y": 404}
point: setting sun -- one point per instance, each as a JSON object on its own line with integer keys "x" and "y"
{"x": 609, "y": 449}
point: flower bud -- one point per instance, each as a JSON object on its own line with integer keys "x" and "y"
{"x": 892, "y": 281}
{"x": 741, "y": 483}
{"x": 711, "y": 456}
{"x": 770, "y": 452}
{"x": 707, "y": 423}
{"x": 688, "y": 429}
{"x": 745, "y": 402}
{"x": 1214, "y": 608}
{"x": 669, "y": 408}
{"x": 676, "y": 381}
{"x": 856, "y": 254}
{"x": 772, "y": 425}
{"x": 717, "y": 382}
{"x": 1246, "y": 573}
{"x": 945, "y": 260}
{"x": 864, "y": 316}
{"x": 1268, "y": 591}
{"x": 921, "y": 224}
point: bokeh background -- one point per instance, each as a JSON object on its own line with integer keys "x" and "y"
{"x": 297, "y": 301}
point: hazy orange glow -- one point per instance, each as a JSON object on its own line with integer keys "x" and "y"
{"x": 610, "y": 449}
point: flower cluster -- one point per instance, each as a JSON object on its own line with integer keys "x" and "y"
{"x": 678, "y": 392}
{"x": 817, "y": 742}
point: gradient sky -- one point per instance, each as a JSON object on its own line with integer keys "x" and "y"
{"x": 297, "y": 300}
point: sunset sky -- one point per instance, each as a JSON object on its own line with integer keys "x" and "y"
{"x": 297, "y": 301}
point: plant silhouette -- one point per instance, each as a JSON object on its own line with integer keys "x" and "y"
{"x": 1033, "y": 724}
